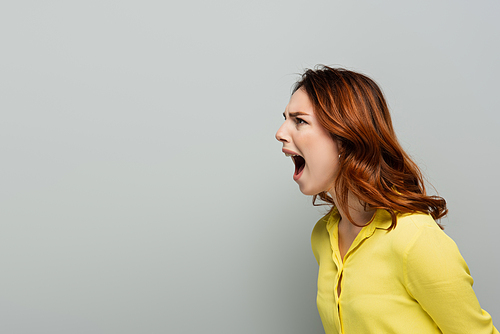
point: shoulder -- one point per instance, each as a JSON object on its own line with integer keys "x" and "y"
{"x": 418, "y": 240}
{"x": 426, "y": 247}
{"x": 412, "y": 222}
{"x": 418, "y": 228}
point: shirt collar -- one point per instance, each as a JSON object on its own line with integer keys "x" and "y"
{"x": 381, "y": 220}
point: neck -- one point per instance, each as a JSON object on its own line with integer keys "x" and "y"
{"x": 357, "y": 212}
{"x": 346, "y": 229}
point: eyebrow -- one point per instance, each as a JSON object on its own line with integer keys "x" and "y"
{"x": 298, "y": 113}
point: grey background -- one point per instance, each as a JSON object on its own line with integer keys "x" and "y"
{"x": 142, "y": 189}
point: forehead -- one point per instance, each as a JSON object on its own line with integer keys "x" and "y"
{"x": 300, "y": 102}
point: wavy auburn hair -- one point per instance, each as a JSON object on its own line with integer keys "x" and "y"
{"x": 373, "y": 165}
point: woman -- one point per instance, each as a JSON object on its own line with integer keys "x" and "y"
{"x": 385, "y": 265}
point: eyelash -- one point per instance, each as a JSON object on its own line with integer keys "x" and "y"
{"x": 299, "y": 121}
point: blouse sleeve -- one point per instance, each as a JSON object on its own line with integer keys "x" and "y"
{"x": 438, "y": 278}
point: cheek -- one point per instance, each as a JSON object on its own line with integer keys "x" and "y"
{"x": 326, "y": 159}
{"x": 326, "y": 166}
{"x": 306, "y": 143}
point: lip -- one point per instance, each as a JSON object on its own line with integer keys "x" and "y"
{"x": 297, "y": 176}
{"x": 290, "y": 152}
{"x": 286, "y": 151}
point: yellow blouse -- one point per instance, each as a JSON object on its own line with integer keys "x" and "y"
{"x": 408, "y": 280}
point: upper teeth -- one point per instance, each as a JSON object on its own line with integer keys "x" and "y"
{"x": 291, "y": 155}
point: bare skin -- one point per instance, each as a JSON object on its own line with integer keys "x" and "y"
{"x": 349, "y": 231}
{"x": 303, "y": 135}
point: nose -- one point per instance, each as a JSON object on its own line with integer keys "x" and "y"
{"x": 281, "y": 134}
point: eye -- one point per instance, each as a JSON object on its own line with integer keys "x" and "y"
{"x": 299, "y": 120}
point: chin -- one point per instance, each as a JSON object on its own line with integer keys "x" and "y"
{"x": 312, "y": 190}
{"x": 308, "y": 192}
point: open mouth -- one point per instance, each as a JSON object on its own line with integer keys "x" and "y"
{"x": 299, "y": 165}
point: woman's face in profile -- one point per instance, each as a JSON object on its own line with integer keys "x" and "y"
{"x": 313, "y": 151}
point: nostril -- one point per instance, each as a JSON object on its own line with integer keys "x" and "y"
{"x": 279, "y": 137}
